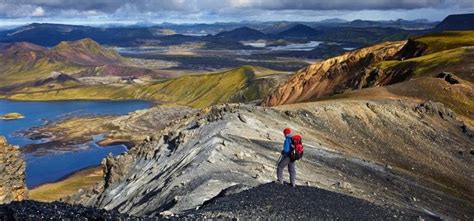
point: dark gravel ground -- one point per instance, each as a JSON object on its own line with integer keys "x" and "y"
{"x": 270, "y": 201}
{"x": 275, "y": 201}
{"x": 32, "y": 210}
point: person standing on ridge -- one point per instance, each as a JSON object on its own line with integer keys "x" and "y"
{"x": 285, "y": 159}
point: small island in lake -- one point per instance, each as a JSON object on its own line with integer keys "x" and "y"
{"x": 12, "y": 116}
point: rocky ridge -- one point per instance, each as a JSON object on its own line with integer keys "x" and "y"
{"x": 354, "y": 147}
{"x": 12, "y": 170}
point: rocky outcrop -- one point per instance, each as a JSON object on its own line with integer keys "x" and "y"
{"x": 411, "y": 49}
{"x": 12, "y": 170}
{"x": 12, "y": 116}
{"x": 387, "y": 152}
{"x": 352, "y": 70}
{"x": 56, "y": 78}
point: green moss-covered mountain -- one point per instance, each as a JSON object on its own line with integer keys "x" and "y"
{"x": 244, "y": 84}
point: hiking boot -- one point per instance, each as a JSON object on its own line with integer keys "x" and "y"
{"x": 277, "y": 182}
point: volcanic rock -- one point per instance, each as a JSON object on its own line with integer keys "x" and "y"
{"x": 12, "y": 170}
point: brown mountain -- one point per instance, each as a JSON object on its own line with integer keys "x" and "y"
{"x": 23, "y": 63}
{"x": 334, "y": 75}
{"x": 386, "y": 64}
{"x": 85, "y": 52}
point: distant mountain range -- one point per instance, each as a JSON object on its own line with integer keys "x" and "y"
{"x": 278, "y": 26}
{"x": 242, "y": 34}
{"x": 51, "y": 34}
{"x": 228, "y": 35}
{"x": 299, "y": 31}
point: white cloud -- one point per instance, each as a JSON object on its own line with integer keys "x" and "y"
{"x": 230, "y": 10}
{"x": 38, "y": 12}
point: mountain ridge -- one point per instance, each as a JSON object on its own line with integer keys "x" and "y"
{"x": 23, "y": 63}
{"x": 299, "y": 31}
{"x": 329, "y": 77}
{"x": 458, "y": 22}
{"x": 427, "y": 55}
{"x": 243, "y": 33}
{"x": 226, "y": 145}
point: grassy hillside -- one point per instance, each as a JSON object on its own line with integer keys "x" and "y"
{"x": 238, "y": 85}
{"x": 200, "y": 90}
{"x": 447, "y": 51}
{"x": 428, "y": 63}
{"x": 446, "y": 40}
{"x": 13, "y": 72}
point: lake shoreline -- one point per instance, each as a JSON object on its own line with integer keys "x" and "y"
{"x": 65, "y": 177}
{"x": 68, "y": 185}
{"x": 74, "y": 146}
{"x": 154, "y": 102}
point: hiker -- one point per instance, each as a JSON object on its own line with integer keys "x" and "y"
{"x": 292, "y": 151}
{"x": 285, "y": 159}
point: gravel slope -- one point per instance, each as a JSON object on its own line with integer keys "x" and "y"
{"x": 33, "y": 210}
{"x": 275, "y": 201}
{"x": 268, "y": 201}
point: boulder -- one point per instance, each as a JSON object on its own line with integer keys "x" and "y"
{"x": 12, "y": 168}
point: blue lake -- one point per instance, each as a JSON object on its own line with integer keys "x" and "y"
{"x": 51, "y": 167}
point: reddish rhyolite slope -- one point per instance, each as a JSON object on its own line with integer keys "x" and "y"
{"x": 334, "y": 75}
{"x": 85, "y": 52}
{"x": 381, "y": 65}
{"x": 22, "y": 63}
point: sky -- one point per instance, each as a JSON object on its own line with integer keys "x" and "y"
{"x": 14, "y": 12}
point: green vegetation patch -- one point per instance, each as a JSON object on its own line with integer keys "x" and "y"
{"x": 424, "y": 64}
{"x": 14, "y": 72}
{"x": 238, "y": 85}
{"x": 446, "y": 40}
{"x": 201, "y": 90}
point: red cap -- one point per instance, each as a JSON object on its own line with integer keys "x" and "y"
{"x": 287, "y": 131}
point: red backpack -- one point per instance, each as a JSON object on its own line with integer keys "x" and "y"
{"x": 297, "y": 149}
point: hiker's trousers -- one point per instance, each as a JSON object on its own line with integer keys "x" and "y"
{"x": 285, "y": 161}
